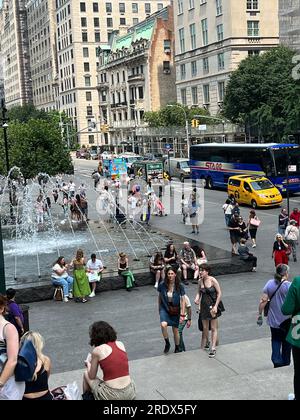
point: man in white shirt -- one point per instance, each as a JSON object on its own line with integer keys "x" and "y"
{"x": 132, "y": 201}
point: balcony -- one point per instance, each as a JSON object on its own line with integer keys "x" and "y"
{"x": 103, "y": 86}
{"x": 136, "y": 78}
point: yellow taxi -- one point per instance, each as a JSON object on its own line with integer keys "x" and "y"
{"x": 257, "y": 191}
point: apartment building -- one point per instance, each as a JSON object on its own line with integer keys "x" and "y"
{"x": 289, "y": 23}
{"x": 136, "y": 75}
{"x": 41, "y": 19}
{"x": 82, "y": 27}
{"x": 15, "y": 52}
{"x": 212, "y": 38}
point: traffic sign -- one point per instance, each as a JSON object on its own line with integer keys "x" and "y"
{"x": 202, "y": 127}
{"x": 292, "y": 168}
{"x": 168, "y": 146}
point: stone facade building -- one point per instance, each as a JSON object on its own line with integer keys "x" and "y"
{"x": 82, "y": 27}
{"x": 212, "y": 38}
{"x": 15, "y": 53}
{"x": 289, "y": 23}
{"x": 41, "y": 20}
{"x": 136, "y": 75}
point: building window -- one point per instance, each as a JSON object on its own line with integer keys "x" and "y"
{"x": 82, "y": 7}
{"x": 147, "y": 8}
{"x": 167, "y": 46}
{"x": 109, "y": 22}
{"x": 204, "y": 31}
{"x": 252, "y": 4}
{"x": 205, "y": 65}
{"x": 88, "y": 96}
{"x": 220, "y": 34}
{"x": 194, "y": 95}
{"x": 180, "y": 7}
{"x": 219, "y": 7}
{"x": 85, "y": 52}
{"x": 89, "y": 111}
{"x": 135, "y": 8}
{"x": 95, "y": 7}
{"x": 135, "y": 21}
{"x": 221, "y": 62}
{"x": 194, "y": 68}
{"x": 97, "y": 36}
{"x": 91, "y": 139}
{"x": 252, "y": 53}
{"x": 253, "y": 27}
{"x": 84, "y": 37}
{"x": 83, "y": 22}
{"x": 166, "y": 67}
{"x": 221, "y": 91}
{"x": 193, "y": 36}
{"x": 122, "y": 7}
{"x": 141, "y": 92}
{"x": 122, "y": 21}
{"x": 86, "y": 67}
{"x": 160, "y": 6}
{"x": 87, "y": 81}
{"x": 183, "y": 96}
{"x": 96, "y": 23}
{"x": 108, "y": 7}
{"x": 206, "y": 94}
{"x": 181, "y": 40}
{"x": 182, "y": 71}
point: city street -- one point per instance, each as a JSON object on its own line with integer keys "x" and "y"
{"x": 135, "y": 315}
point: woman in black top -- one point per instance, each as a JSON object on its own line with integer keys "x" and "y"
{"x": 38, "y": 388}
{"x": 171, "y": 256}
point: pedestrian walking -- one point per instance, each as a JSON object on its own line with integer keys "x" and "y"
{"x": 283, "y": 221}
{"x": 208, "y": 298}
{"x": 291, "y": 306}
{"x": 253, "y": 225}
{"x": 274, "y": 295}
{"x": 280, "y": 251}
{"x": 194, "y": 207}
{"x": 292, "y": 237}
{"x": 295, "y": 215}
{"x": 171, "y": 307}
{"x": 227, "y": 208}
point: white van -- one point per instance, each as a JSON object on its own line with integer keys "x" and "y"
{"x": 178, "y": 167}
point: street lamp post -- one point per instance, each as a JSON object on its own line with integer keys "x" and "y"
{"x": 288, "y": 180}
{"x": 187, "y": 131}
{"x": 2, "y": 269}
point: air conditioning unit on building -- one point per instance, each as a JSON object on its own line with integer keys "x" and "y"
{"x": 167, "y": 71}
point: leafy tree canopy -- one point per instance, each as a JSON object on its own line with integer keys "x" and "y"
{"x": 264, "y": 96}
{"x": 35, "y": 143}
{"x": 173, "y": 115}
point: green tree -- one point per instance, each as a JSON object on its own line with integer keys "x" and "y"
{"x": 36, "y": 146}
{"x": 263, "y": 95}
{"x": 173, "y": 115}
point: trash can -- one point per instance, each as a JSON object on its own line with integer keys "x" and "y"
{"x": 25, "y": 310}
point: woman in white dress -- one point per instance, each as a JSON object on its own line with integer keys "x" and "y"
{"x": 94, "y": 269}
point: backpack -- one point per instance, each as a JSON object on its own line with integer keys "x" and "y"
{"x": 27, "y": 361}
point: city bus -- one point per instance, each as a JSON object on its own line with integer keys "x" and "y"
{"x": 216, "y": 162}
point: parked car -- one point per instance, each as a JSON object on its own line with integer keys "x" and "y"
{"x": 94, "y": 155}
{"x": 83, "y": 154}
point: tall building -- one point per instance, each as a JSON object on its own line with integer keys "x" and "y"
{"x": 15, "y": 51}
{"x": 41, "y": 18}
{"x": 212, "y": 38}
{"x": 289, "y": 23}
{"x": 83, "y": 26}
{"x": 136, "y": 75}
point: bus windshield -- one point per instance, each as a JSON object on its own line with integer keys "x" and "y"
{"x": 264, "y": 184}
{"x": 280, "y": 156}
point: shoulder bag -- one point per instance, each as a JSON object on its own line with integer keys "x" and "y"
{"x": 255, "y": 222}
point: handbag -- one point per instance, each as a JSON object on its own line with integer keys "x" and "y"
{"x": 255, "y": 222}
{"x": 173, "y": 310}
{"x": 27, "y": 361}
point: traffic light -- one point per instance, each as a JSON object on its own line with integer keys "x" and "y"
{"x": 195, "y": 123}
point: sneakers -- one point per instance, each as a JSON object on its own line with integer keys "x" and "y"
{"x": 66, "y": 299}
{"x": 70, "y": 296}
{"x": 254, "y": 246}
{"x": 254, "y": 269}
{"x": 156, "y": 285}
{"x": 212, "y": 353}
{"x": 92, "y": 295}
{"x": 207, "y": 346}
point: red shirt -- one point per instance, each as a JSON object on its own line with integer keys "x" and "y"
{"x": 116, "y": 364}
{"x": 296, "y": 216}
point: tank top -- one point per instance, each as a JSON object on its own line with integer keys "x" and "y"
{"x": 123, "y": 265}
{"x": 116, "y": 364}
{"x": 41, "y": 383}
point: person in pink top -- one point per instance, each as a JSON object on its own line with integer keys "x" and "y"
{"x": 111, "y": 356}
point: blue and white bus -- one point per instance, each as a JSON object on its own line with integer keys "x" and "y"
{"x": 216, "y": 162}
